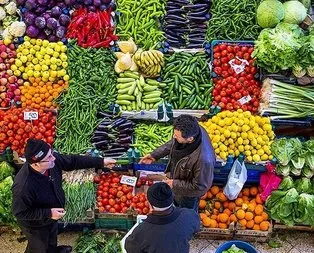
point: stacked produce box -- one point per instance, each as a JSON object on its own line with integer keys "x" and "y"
{"x": 68, "y": 68}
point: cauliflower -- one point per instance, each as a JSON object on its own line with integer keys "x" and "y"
{"x": 4, "y": 1}
{"x": 6, "y": 34}
{"x": 17, "y": 29}
{"x": 11, "y": 8}
{"x": 2, "y": 13}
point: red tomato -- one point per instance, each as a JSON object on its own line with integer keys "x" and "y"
{"x": 145, "y": 210}
{"x": 105, "y": 202}
{"x": 113, "y": 191}
{"x": 135, "y": 199}
{"x": 96, "y": 179}
{"x": 105, "y": 194}
{"x": 123, "y": 199}
{"x": 129, "y": 196}
{"x": 124, "y": 210}
{"x": 117, "y": 208}
{"x": 120, "y": 194}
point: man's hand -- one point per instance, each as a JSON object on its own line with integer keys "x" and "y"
{"x": 109, "y": 163}
{"x": 148, "y": 159}
{"x": 57, "y": 213}
{"x": 169, "y": 182}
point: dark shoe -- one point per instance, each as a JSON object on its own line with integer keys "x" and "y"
{"x": 64, "y": 249}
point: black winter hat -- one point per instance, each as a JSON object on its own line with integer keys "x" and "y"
{"x": 160, "y": 195}
{"x": 36, "y": 150}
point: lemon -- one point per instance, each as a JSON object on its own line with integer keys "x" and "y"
{"x": 241, "y": 148}
{"x": 215, "y": 119}
{"x": 223, "y": 114}
{"x": 256, "y": 158}
{"x": 232, "y": 146}
{"x": 267, "y": 127}
{"x": 222, "y": 138}
{"x": 265, "y": 138}
{"x": 223, "y": 155}
{"x": 258, "y": 146}
{"x": 35, "y": 61}
{"x": 230, "y": 141}
{"x": 227, "y": 133}
{"x": 223, "y": 147}
{"x": 254, "y": 152}
{"x": 244, "y": 135}
{"x": 228, "y": 121}
{"x": 215, "y": 145}
{"x": 260, "y": 152}
{"x": 250, "y": 135}
{"x": 254, "y": 142}
{"x": 264, "y": 157}
{"x": 240, "y": 141}
{"x": 237, "y": 153}
{"x": 233, "y": 135}
{"x": 226, "y": 142}
{"x": 270, "y": 157}
{"x": 247, "y": 147}
{"x": 217, "y": 150}
{"x": 247, "y": 114}
{"x": 43, "y": 51}
{"x": 216, "y": 138}
{"x": 246, "y": 121}
{"x": 245, "y": 128}
{"x": 221, "y": 123}
{"x": 260, "y": 140}
{"x": 249, "y": 158}
{"x": 40, "y": 57}
{"x": 231, "y": 152}
{"x": 234, "y": 128}
{"x": 247, "y": 152}
{"x": 53, "y": 73}
{"x": 240, "y": 122}
{"x": 246, "y": 142}
{"x": 252, "y": 124}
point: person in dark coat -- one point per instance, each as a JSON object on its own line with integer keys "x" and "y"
{"x": 38, "y": 197}
{"x": 191, "y": 161}
{"x": 167, "y": 229}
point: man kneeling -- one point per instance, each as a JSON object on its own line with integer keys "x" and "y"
{"x": 167, "y": 228}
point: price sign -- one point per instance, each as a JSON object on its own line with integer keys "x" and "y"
{"x": 245, "y": 99}
{"x": 128, "y": 180}
{"x": 30, "y": 115}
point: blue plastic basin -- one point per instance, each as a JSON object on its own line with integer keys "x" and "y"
{"x": 240, "y": 244}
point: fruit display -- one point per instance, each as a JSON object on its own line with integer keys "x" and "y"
{"x": 216, "y": 211}
{"x": 235, "y": 85}
{"x": 114, "y": 197}
{"x": 188, "y": 80}
{"x": 137, "y": 93}
{"x": 150, "y": 62}
{"x": 238, "y": 132}
{"x": 41, "y": 58}
{"x": 15, "y": 131}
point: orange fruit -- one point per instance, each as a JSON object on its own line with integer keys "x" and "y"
{"x": 253, "y": 201}
{"x": 231, "y": 206}
{"x": 223, "y": 217}
{"x": 233, "y": 217}
{"x": 206, "y": 221}
{"x": 264, "y": 226}
{"x": 214, "y": 217}
{"x": 256, "y": 227}
{"x": 258, "y": 219}
{"x": 250, "y": 224}
{"x": 202, "y": 216}
{"x": 216, "y": 211}
{"x": 222, "y": 197}
{"x": 222, "y": 225}
{"x": 239, "y": 201}
{"x": 246, "y": 198}
{"x": 213, "y": 224}
{"x": 202, "y": 204}
{"x": 242, "y": 223}
{"x": 209, "y": 195}
{"x": 258, "y": 199}
{"x": 240, "y": 214}
{"x": 249, "y": 216}
{"x": 227, "y": 211}
{"x": 251, "y": 207}
{"x": 253, "y": 191}
{"x": 214, "y": 190}
{"x": 225, "y": 204}
{"x": 217, "y": 205}
{"x": 246, "y": 192}
{"x": 259, "y": 209}
{"x": 265, "y": 216}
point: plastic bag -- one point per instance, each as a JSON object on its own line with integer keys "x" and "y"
{"x": 269, "y": 181}
{"x": 236, "y": 179}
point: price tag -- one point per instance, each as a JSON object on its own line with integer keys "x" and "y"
{"x": 236, "y": 67}
{"x": 245, "y": 99}
{"x": 30, "y": 115}
{"x": 128, "y": 180}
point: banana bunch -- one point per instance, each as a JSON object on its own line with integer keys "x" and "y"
{"x": 149, "y": 62}
{"x": 135, "y": 93}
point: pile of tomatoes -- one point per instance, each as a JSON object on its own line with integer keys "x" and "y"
{"x": 114, "y": 197}
{"x": 15, "y": 131}
{"x": 230, "y": 87}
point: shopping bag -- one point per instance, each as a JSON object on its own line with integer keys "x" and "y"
{"x": 269, "y": 181}
{"x": 236, "y": 179}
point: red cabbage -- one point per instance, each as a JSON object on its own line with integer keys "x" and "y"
{"x": 40, "y": 22}
{"x": 52, "y": 23}
{"x": 60, "y": 31}
{"x": 29, "y": 18}
{"x": 56, "y": 11}
{"x": 30, "y": 4}
{"x": 32, "y": 31}
{"x": 64, "y": 20}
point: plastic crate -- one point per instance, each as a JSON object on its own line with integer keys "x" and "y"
{"x": 114, "y": 223}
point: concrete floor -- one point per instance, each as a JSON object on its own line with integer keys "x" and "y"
{"x": 291, "y": 242}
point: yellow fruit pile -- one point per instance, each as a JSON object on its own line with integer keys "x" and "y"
{"x": 238, "y": 132}
{"x": 41, "y": 58}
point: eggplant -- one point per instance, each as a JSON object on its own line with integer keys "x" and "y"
{"x": 99, "y": 138}
{"x": 126, "y": 131}
{"x": 197, "y": 19}
{"x": 125, "y": 140}
{"x": 195, "y": 6}
{"x": 128, "y": 124}
{"x": 117, "y": 122}
{"x": 171, "y": 17}
{"x": 176, "y": 11}
{"x": 100, "y": 143}
{"x": 104, "y": 115}
{"x": 199, "y": 12}
{"x": 104, "y": 134}
{"x": 174, "y": 34}
{"x": 115, "y": 150}
{"x": 173, "y": 38}
{"x": 173, "y": 21}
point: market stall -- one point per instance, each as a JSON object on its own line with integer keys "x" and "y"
{"x": 106, "y": 78}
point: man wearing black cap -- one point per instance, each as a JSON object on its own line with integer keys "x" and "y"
{"x": 167, "y": 229}
{"x": 38, "y": 197}
{"x": 191, "y": 161}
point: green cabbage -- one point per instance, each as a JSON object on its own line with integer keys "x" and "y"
{"x": 309, "y": 158}
{"x": 269, "y": 13}
{"x": 295, "y": 171}
{"x": 303, "y": 185}
{"x": 307, "y": 172}
{"x": 305, "y": 209}
{"x": 6, "y": 215}
{"x": 299, "y": 153}
{"x": 283, "y": 170}
{"x": 283, "y": 150}
{"x": 286, "y": 184}
{"x": 294, "y": 12}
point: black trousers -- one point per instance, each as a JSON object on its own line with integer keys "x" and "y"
{"x": 41, "y": 240}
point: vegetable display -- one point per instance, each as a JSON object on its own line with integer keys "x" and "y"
{"x": 6, "y": 215}
{"x": 92, "y": 29}
{"x": 98, "y": 242}
{"x": 185, "y": 23}
{"x": 91, "y": 89}
{"x": 140, "y": 20}
{"x": 150, "y": 62}
{"x": 14, "y": 130}
{"x": 270, "y": 13}
{"x": 79, "y": 194}
{"x": 10, "y": 84}
{"x": 5, "y": 170}
{"x": 150, "y": 136}
{"x": 114, "y": 197}
{"x": 188, "y": 81}
{"x": 137, "y": 93}
{"x": 238, "y": 132}
{"x": 235, "y": 85}
{"x": 235, "y": 20}
{"x": 286, "y": 101}
{"x": 41, "y": 58}
{"x": 113, "y": 135}
{"x": 216, "y": 211}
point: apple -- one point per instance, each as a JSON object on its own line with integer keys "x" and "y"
{"x": 12, "y": 54}
{"x": 4, "y": 55}
{"x": 17, "y": 98}
{"x": 10, "y": 94}
{"x": 3, "y": 95}
{"x": 3, "y": 81}
{"x": 20, "y": 82}
{"x": 11, "y": 60}
{"x": 17, "y": 92}
{"x": 10, "y": 72}
{"x": 3, "y": 48}
{"x": 13, "y": 87}
{"x": 12, "y": 79}
{"x": 3, "y": 89}
{"x": 11, "y": 46}
{"x": 3, "y": 66}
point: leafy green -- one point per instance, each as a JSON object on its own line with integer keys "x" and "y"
{"x": 286, "y": 184}
{"x": 298, "y": 157}
{"x": 305, "y": 209}
{"x": 277, "y": 49}
{"x": 283, "y": 170}
{"x": 5, "y": 170}
{"x": 6, "y": 215}
{"x": 269, "y": 13}
{"x": 307, "y": 172}
{"x": 309, "y": 158}
{"x": 303, "y": 185}
{"x": 283, "y": 150}
{"x": 295, "y": 171}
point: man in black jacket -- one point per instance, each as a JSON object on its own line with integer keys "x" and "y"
{"x": 38, "y": 197}
{"x": 167, "y": 229}
{"x": 191, "y": 161}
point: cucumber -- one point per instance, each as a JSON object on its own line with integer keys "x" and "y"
{"x": 125, "y": 85}
{"x": 131, "y": 75}
{"x": 132, "y": 89}
{"x": 125, "y": 97}
{"x": 150, "y": 88}
{"x": 123, "y": 102}
{"x": 152, "y": 100}
{"x": 125, "y": 80}
{"x": 152, "y": 81}
{"x": 155, "y": 94}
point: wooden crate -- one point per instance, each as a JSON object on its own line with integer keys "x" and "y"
{"x": 250, "y": 235}
{"x": 304, "y": 228}
{"x": 216, "y": 233}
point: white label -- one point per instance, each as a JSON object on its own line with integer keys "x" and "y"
{"x": 245, "y": 99}
{"x": 236, "y": 67}
{"x": 128, "y": 180}
{"x": 30, "y": 115}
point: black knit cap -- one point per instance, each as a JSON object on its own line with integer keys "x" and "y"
{"x": 36, "y": 150}
{"x": 160, "y": 195}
